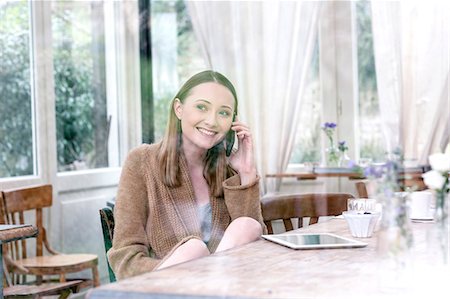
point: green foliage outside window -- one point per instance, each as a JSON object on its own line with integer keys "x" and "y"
{"x": 371, "y": 140}
{"x": 16, "y": 135}
{"x": 75, "y": 88}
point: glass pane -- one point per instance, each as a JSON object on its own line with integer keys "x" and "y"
{"x": 371, "y": 139}
{"x": 307, "y": 143}
{"x": 82, "y": 118}
{"x": 176, "y": 56}
{"x": 16, "y": 102}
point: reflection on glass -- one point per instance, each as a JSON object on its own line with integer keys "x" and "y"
{"x": 16, "y": 101}
{"x": 312, "y": 239}
{"x": 80, "y": 85}
{"x": 175, "y": 55}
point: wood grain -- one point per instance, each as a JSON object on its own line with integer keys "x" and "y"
{"x": 267, "y": 270}
{"x": 10, "y": 233}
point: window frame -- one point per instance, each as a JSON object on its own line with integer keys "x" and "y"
{"x": 123, "y": 84}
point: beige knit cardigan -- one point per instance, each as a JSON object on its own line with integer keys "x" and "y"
{"x": 152, "y": 220}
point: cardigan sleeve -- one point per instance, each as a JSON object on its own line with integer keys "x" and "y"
{"x": 243, "y": 200}
{"x": 130, "y": 253}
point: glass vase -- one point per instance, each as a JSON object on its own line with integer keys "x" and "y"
{"x": 344, "y": 159}
{"x": 331, "y": 156}
{"x": 438, "y": 236}
{"x": 395, "y": 235}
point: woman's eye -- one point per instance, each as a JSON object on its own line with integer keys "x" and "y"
{"x": 224, "y": 113}
{"x": 201, "y": 107}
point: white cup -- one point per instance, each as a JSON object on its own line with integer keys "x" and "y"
{"x": 421, "y": 205}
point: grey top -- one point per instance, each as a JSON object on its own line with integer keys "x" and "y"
{"x": 205, "y": 216}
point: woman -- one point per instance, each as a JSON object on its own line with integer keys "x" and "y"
{"x": 184, "y": 198}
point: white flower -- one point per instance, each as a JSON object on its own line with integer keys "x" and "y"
{"x": 434, "y": 179}
{"x": 440, "y": 162}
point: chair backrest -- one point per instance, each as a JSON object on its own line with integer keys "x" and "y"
{"x": 313, "y": 205}
{"x": 17, "y": 201}
{"x": 362, "y": 190}
{"x": 107, "y": 220}
{"x": 412, "y": 180}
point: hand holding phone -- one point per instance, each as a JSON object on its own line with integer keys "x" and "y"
{"x": 231, "y": 135}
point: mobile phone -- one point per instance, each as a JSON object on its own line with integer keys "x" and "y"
{"x": 231, "y": 135}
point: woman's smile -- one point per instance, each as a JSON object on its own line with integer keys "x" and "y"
{"x": 207, "y": 132}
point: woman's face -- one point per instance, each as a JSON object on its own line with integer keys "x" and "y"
{"x": 205, "y": 115}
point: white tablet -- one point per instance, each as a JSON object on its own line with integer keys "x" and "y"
{"x": 313, "y": 241}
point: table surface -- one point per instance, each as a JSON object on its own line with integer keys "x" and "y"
{"x": 264, "y": 269}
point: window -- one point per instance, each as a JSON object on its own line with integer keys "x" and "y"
{"x": 370, "y": 137}
{"x": 17, "y": 146}
{"x": 82, "y": 117}
{"x": 175, "y": 55}
{"x": 307, "y": 142}
{"x": 59, "y": 111}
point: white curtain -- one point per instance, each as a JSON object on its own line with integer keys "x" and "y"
{"x": 412, "y": 52}
{"x": 265, "y": 48}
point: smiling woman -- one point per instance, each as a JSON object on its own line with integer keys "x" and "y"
{"x": 188, "y": 195}
{"x": 211, "y": 118}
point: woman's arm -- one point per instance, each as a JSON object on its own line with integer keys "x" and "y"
{"x": 130, "y": 254}
{"x": 243, "y": 200}
{"x": 241, "y": 191}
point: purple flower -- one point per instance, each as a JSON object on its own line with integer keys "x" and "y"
{"x": 342, "y": 146}
{"x": 328, "y": 129}
{"x": 352, "y": 164}
{"x": 328, "y": 125}
{"x": 374, "y": 171}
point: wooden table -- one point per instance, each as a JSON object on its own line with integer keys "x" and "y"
{"x": 10, "y": 233}
{"x": 407, "y": 173}
{"x": 266, "y": 270}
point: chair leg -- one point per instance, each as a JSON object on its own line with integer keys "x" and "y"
{"x": 62, "y": 277}
{"x": 64, "y": 294}
{"x": 95, "y": 276}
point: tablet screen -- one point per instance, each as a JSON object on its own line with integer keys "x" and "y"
{"x": 312, "y": 241}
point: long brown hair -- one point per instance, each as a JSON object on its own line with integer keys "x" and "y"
{"x": 216, "y": 168}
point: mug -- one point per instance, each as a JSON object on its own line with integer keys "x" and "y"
{"x": 421, "y": 205}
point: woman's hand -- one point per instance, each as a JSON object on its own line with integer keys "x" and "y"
{"x": 242, "y": 160}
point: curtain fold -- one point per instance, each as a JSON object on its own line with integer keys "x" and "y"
{"x": 412, "y": 58}
{"x": 265, "y": 48}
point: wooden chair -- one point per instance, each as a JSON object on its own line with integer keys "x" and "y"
{"x": 18, "y": 201}
{"x": 61, "y": 289}
{"x": 313, "y": 205}
{"x": 413, "y": 181}
{"x": 107, "y": 220}
{"x": 361, "y": 188}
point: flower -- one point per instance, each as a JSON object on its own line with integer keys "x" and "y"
{"x": 438, "y": 178}
{"x": 329, "y": 125}
{"x": 328, "y": 128}
{"x": 342, "y": 146}
{"x": 440, "y": 162}
{"x": 385, "y": 176}
{"x": 434, "y": 179}
{"x": 395, "y": 236}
